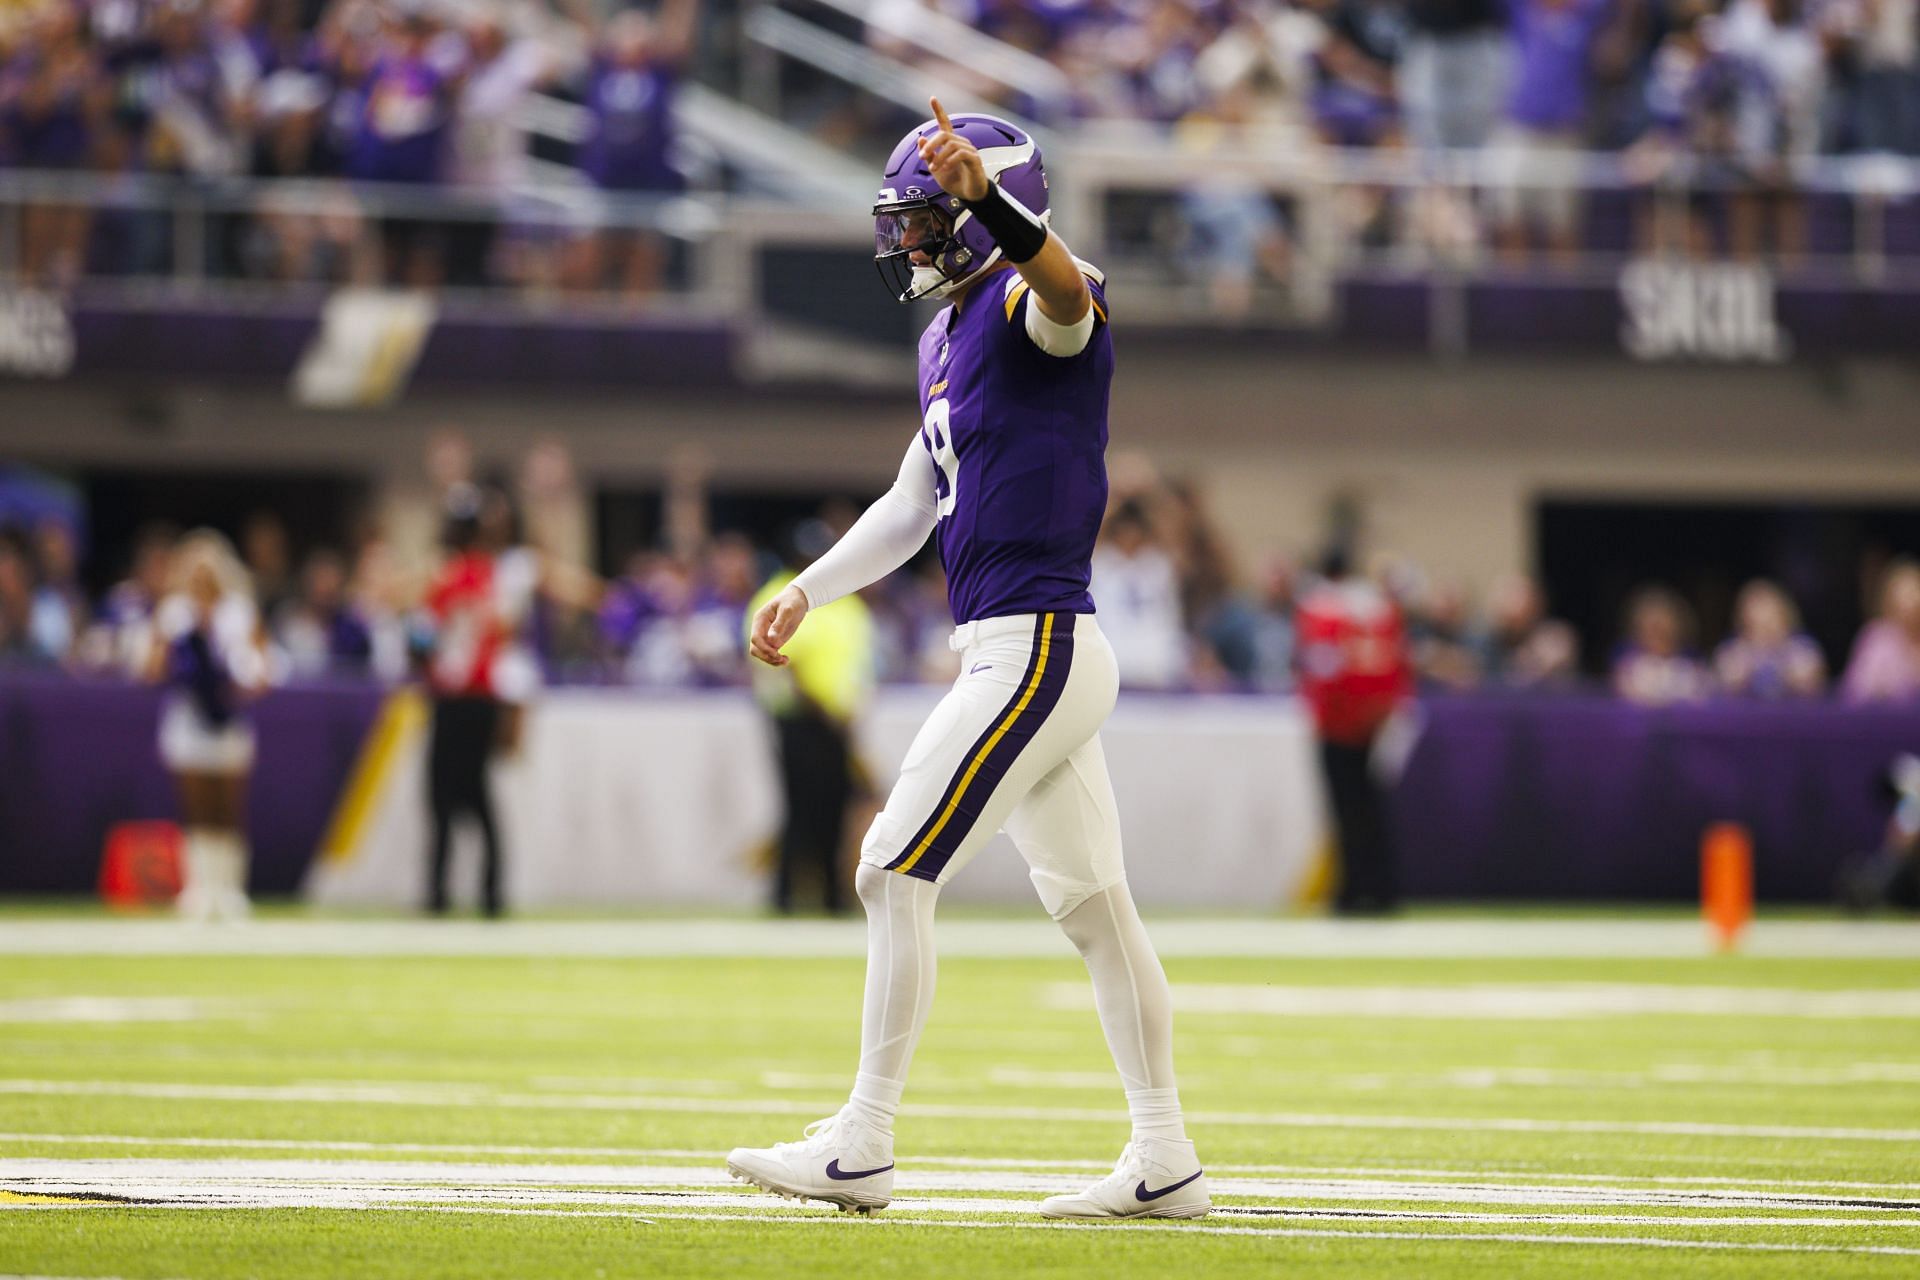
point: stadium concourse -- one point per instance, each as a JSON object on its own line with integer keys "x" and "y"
{"x": 1579, "y": 1093}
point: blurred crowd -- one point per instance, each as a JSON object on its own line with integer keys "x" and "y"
{"x": 1710, "y": 108}
{"x": 1778, "y": 75}
{"x": 393, "y": 95}
{"x": 1709, "y": 105}
{"x": 1179, "y": 609}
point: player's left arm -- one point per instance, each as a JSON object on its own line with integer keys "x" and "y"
{"x": 1041, "y": 257}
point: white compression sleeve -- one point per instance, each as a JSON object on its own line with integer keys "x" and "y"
{"x": 1129, "y": 991}
{"x": 884, "y": 537}
{"x": 900, "y": 978}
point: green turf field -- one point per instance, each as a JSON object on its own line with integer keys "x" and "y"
{"x": 289, "y": 1108}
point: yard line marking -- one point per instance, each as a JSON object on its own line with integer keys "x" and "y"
{"x": 1597, "y": 1181}
{"x": 235, "y": 1193}
{"x": 1175, "y": 937}
{"x": 215, "y": 1176}
{"x": 109, "y": 1009}
{"x": 478, "y": 1096}
{"x": 1529, "y": 1001}
{"x": 1655, "y": 1242}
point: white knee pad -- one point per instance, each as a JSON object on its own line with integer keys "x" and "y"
{"x": 870, "y": 882}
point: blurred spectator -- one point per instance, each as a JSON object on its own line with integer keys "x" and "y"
{"x": 268, "y": 561}
{"x": 629, "y": 148}
{"x": 1886, "y": 100}
{"x": 1356, "y": 674}
{"x": 1274, "y": 626}
{"x": 1521, "y": 647}
{"x": 1768, "y": 656}
{"x": 53, "y": 101}
{"x": 1782, "y": 65}
{"x": 1454, "y": 72}
{"x": 1537, "y": 150}
{"x": 1214, "y": 611}
{"x": 1885, "y": 666}
{"x": 1685, "y": 155}
{"x": 718, "y": 617}
{"x": 21, "y": 635}
{"x": 814, "y": 702}
{"x": 648, "y": 617}
{"x": 1137, "y": 589}
{"x": 1444, "y": 654}
{"x": 401, "y": 136}
{"x": 1657, "y": 665}
{"x": 36, "y": 619}
{"x": 488, "y": 143}
{"x": 121, "y": 636}
{"x": 1235, "y": 235}
{"x": 60, "y": 599}
{"x": 1355, "y": 101}
{"x": 321, "y": 631}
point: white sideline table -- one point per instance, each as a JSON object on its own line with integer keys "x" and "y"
{"x": 629, "y": 799}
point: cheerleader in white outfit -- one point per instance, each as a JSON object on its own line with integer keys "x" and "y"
{"x": 210, "y": 652}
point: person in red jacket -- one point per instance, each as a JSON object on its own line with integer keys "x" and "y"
{"x": 1354, "y": 671}
{"x": 468, "y": 635}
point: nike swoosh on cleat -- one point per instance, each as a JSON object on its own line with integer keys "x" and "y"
{"x": 838, "y": 1175}
{"x": 1144, "y": 1196}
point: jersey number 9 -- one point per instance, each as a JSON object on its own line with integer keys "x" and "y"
{"x": 939, "y": 441}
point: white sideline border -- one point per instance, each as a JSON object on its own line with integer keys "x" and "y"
{"x": 1175, "y": 937}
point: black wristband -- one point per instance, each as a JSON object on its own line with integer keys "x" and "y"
{"x": 1019, "y": 234}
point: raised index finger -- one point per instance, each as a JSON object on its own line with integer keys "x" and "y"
{"x": 940, "y": 115}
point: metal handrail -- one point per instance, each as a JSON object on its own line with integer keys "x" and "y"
{"x": 949, "y": 38}
{"x": 853, "y": 63}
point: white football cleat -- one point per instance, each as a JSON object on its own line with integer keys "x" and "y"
{"x": 1152, "y": 1180}
{"x": 841, "y": 1161}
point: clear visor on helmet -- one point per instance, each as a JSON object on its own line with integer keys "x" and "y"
{"x": 922, "y": 230}
{"x": 912, "y": 246}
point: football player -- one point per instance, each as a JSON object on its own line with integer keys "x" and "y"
{"x": 1008, "y": 472}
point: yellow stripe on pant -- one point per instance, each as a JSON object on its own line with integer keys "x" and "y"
{"x": 986, "y": 749}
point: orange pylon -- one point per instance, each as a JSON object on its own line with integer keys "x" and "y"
{"x": 1726, "y": 881}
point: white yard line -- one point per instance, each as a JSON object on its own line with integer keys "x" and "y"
{"x": 1179, "y": 937}
{"x": 109, "y": 1009}
{"x": 169, "y": 1178}
{"x": 1595, "y": 1181}
{"x": 1522, "y": 1001}
{"x": 1653, "y": 1242}
{"x": 418, "y": 1095}
{"x": 244, "y": 1192}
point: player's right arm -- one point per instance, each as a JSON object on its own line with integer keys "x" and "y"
{"x": 884, "y": 537}
{"x": 1037, "y": 253}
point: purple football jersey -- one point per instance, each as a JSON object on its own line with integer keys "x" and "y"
{"x": 1019, "y": 444}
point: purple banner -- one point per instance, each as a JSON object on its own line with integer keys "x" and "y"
{"x": 1588, "y": 798}
{"x": 78, "y": 757}
{"x": 1517, "y": 798}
